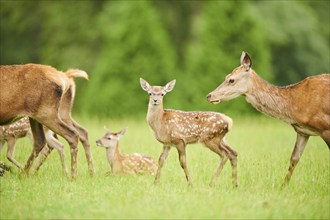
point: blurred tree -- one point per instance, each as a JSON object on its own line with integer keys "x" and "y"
{"x": 300, "y": 48}
{"x": 221, "y": 31}
{"x": 134, "y": 45}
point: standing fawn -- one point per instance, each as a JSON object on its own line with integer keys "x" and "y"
{"x": 304, "y": 105}
{"x": 125, "y": 164}
{"x": 21, "y": 128}
{"x": 45, "y": 95}
{"x": 179, "y": 128}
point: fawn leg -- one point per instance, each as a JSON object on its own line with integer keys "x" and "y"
{"x": 181, "y": 147}
{"x": 10, "y": 152}
{"x": 233, "y": 161}
{"x": 161, "y": 161}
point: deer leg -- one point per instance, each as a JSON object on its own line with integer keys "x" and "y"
{"x": 46, "y": 150}
{"x": 55, "y": 124}
{"x": 161, "y": 161}
{"x": 65, "y": 114}
{"x": 83, "y": 136}
{"x": 298, "y": 150}
{"x": 38, "y": 142}
{"x": 181, "y": 147}
{"x": 54, "y": 143}
{"x": 10, "y": 152}
{"x": 233, "y": 161}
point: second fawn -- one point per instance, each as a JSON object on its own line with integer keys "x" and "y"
{"x": 179, "y": 128}
{"x": 125, "y": 164}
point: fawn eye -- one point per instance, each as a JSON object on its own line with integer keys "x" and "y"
{"x": 162, "y": 94}
{"x": 109, "y": 138}
{"x": 149, "y": 93}
{"x": 231, "y": 81}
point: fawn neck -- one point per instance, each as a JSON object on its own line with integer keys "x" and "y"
{"x": 155, "y": 115}
{"x": 269, "y": 99}
{"x": 113, "y": 155}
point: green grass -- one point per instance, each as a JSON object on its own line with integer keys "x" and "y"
{"x": 264, "y": 146}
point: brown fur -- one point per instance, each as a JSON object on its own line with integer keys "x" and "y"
{"x": 305, "y": 105}
{"x": 45, "y": 95}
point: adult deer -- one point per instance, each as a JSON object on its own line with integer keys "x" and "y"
{"x": 304, "y": 105}
{"x": 125, "y": 163}
{"x": 179, "y": 128}
{"x": 45, "y": 95}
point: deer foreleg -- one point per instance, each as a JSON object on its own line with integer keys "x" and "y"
{"x": 161, "y": 161}
{"x": 298, "y": 150}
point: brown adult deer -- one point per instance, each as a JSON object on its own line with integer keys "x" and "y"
{"x": 45, "y": 95}
{"x": 179, "y": 128}
{"x": 304, "y": 105}
{"x": 125, "y": 164}
{"x": 21, "y": 128}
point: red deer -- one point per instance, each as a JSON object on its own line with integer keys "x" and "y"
{"x": 179, "y": 128}
{"x": 45, "y": 95}
{"x": 125, "y": 164}
{"x": 304, "y": 105}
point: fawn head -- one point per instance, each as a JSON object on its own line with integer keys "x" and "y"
{"x": 156, "y": 93}
{"x": 236, "y": 83}
{"x": 110, "y": 139}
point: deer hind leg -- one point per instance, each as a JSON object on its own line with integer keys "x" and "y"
{"x": 214, "y": 146}
{"x": 38, "y": 142}
{"x": 181, "y": 147}
{"x": 233, "y": 160}
{"x": 68, "y": 132}
{"x": 298, "y": 150}
{"x": 65, "y": 114}
{"x": 161, "y": 161}
{"x": 10, "y": 152}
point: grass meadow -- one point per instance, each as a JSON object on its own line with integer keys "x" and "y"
{"x": 264, "y": 146}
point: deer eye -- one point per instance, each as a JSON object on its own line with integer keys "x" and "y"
{"x": 231, "y": 81}
{"x": 109, "y": 138}
{"x": 149, "y": 93}
{"x": 162, "y": 94}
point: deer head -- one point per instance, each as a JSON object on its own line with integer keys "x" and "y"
{"x": 156, "y": 93}
{"x": 110, "y": 139}
{"x": 236, "y": 83}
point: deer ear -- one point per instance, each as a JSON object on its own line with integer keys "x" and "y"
{"x": 122, "y": 132}
{"x": 169, "y": 86}
{"x": 106, "y": 129}
{"x": 246, "y": 60}
{"x": 144, "y": 85}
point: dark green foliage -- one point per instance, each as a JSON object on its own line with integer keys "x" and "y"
{"x": 195, "y": 42}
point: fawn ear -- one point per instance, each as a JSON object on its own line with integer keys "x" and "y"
{"x": 246, "y": 61}
{"x": 122, "y": 132}
{"x": 144, "y": 85}
{"x": 169, "y": 86}
{"x": 106, "y": 129}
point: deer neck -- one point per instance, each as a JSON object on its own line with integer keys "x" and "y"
{"x": 113, "y": 155}
{"x": 269, "y": 99}
{"x": 155, "y": 115}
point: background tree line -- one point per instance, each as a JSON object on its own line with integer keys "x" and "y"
{"x": 195, "y": 42}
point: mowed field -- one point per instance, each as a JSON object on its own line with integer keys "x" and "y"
{"x": 264, "y": 146}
